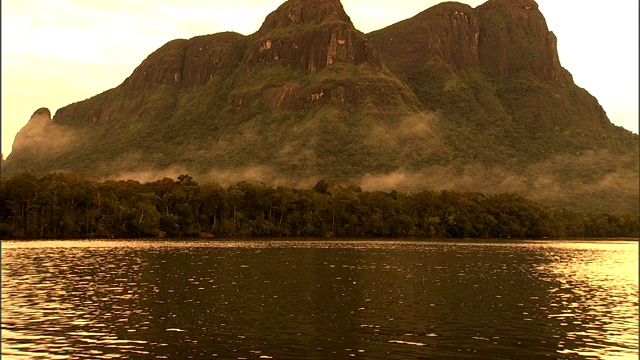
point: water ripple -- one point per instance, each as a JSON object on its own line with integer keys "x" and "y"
{"x": 319, "y": 299}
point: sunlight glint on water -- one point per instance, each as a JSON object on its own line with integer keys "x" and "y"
{"x": 319, "y": 299}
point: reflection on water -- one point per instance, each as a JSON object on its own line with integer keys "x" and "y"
{"x": 596, "y": 297}
{"x": 319, "y": 299}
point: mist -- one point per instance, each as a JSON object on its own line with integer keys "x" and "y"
{"x": 565, "y": 180}
{"x": 572, "y": 181}
{"x": 43, "y": 138}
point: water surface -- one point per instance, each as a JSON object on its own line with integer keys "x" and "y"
{"x": 320, "y": 299}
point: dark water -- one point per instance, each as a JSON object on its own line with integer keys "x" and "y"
{"x": 320, "y": 300}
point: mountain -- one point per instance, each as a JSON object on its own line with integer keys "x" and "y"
{"x": 508, "y": 110}
{"x": 471, "y": 99}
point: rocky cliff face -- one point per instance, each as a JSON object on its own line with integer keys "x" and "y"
{"x": 189, "y": 63}
{"x": 499, "y": 60}
{"x": 308, "y": 37}
{"x": 514, "y": 39}
{"x": 456, "y": 97}
{"x": 296, "y": 12}
{"x": 447, "y": 33}
{"x": 503, "y": 37}
{"x": 311, "y": 35}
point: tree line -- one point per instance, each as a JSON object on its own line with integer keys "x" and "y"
{"x": 65, "y": 206}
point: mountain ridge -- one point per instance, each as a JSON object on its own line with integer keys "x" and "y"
{"x": 454, "y": 97}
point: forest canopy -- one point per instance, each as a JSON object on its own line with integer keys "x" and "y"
{"x": 66, "y": 206}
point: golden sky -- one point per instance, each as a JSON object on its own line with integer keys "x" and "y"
{"x": 57, "y": 52}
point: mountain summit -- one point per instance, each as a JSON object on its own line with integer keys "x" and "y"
{"x": 471, "y": 99}
{"x": 311, "y": 35}
{"x": 297, "y": 12}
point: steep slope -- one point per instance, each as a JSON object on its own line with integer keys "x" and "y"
{"x": 455, "y": 97}
{"x": 509, "y": 111}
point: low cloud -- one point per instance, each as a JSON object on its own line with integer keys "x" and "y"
{"x": 471, "y": 178}
{"x": 134, "y": 170}
{"x": 595, "y": 175}
{"x": 410, "y": 129}
{"x": 593, "y": 180}
{"x": 256, "y": 174}
{"x": 151, "y": 175}
{"x": 42, "y": 137}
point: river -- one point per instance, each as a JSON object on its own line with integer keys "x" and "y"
{"x": 319, "y": 299}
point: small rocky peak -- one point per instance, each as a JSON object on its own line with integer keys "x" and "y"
{"x": 294, "y": 12}
{"x": 36, "y": 135}
{"x": 43, "y": 112}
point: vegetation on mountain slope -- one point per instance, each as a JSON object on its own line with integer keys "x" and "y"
{"x": 455, "y": 98}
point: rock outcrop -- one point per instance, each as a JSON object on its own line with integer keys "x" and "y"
{"x": 40, "y": 144}
{"x": 447, "y": 33}
{"x": 503, "y": 37}
{"x": 190, "y": 63}
{"x": 514, "y": 39}
{"x": 310, "y": 35}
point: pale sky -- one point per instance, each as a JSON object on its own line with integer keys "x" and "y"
{"x": 57, "y": 52}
